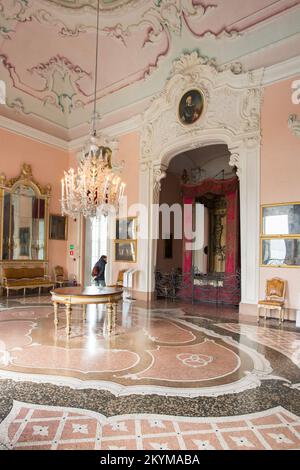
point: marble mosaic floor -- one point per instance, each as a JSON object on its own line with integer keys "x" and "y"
{"x": 172, "y": 376}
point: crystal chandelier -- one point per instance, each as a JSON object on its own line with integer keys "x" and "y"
{"x": 96, "y": 187}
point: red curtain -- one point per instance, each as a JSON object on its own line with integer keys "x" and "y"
{"x": 232, "y": 239}
{"x": 229, "y": 189}
{"x": 188, "y": 228}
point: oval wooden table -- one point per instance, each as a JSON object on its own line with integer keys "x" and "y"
{"x": 84, "y": 296}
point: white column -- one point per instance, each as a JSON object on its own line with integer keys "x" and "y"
{"x": 111, "y": 230}
{"x": 151, "y": 175}
{"x": 144, "y": 248}
{"x": 247, "y": 161}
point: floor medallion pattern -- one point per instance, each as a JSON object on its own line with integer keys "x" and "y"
{"x": 192, "y": 377}
{"x": 33, "y": 427}
{"x": 148, "y": 354}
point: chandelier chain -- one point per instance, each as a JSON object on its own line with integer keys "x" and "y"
{"x": 96, "y": 68}
{"x": 96, "y": 187}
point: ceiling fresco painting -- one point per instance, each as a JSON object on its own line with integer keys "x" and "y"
{"x": 47, "y": 51}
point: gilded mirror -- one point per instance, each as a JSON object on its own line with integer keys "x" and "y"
{"x": 24, "y": 216}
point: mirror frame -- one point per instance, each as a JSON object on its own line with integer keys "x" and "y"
{"x": 265, "y": 236}
{"x": 25, "y": 178}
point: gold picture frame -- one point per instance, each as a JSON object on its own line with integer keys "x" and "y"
{"x": 191, "y": 106}
{"x": 58, "y": 227}
{"x": 125, "y": 251}
{"x": 280, "y": 235}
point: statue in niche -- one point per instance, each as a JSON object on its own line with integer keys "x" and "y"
{"x": 185, "y": 177}
{"x": 218, "y": 213}
{"x": 197, "y": 174}
{"x": 218, "y": 236}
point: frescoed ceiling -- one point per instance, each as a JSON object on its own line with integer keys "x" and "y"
{"x": 79, "y": 4}
{"x": 47, "y": 52}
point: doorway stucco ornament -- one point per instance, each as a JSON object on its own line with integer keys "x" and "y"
{"x": 231, "y": 115}
{"x": 234, "y": 161}
{"x": 294, "y": 124}
{"x": 159, "y": 173}
{"x": 231, "y": 109}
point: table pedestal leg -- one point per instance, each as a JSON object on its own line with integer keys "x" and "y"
{"x": 109, "y": 315}
{"x": 84, "y": 312}
{"x": 114, "y": 316}
{"x": 55, "y": 306}
{"x": 68, "y": 318}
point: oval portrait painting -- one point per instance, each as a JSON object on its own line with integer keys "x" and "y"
{"x": 191, "y": 106}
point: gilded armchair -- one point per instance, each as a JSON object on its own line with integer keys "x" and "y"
{"x": 59, "y": 276}
{"x": 275, "y": 298}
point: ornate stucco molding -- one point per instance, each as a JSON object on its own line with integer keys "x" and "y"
{"x": 156, "y": 16}
{"x": 159, "y": 173}
{"x": 294, "y": 124}
{"x": 26, "y": 177}
{"x": 232, "y": 100}
{"x": 231, "y": 116}
{"x": 235, "y": 162}
{"x": 54, "y": 72}
{"x": 165, "y": 16}
{"x": 10, "y": 12}
{"x": 119, "y": 6}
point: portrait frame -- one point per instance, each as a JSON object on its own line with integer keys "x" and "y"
{"x": 191, "y": 106}
{"x": 58, "y": 227}
{"x": 125, "y": 251}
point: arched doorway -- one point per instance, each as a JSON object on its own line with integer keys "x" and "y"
{"x": 210, "y": 272}
{"x": 231, "y": 116}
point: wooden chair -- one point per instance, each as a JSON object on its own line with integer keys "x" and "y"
{"x": 275, "y": 297}
{"x": 59, "y": 276}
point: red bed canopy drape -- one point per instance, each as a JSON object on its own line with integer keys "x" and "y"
{"x": 230, "y": 189}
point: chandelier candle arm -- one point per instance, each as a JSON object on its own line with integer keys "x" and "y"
{"x": 62, "y": 189}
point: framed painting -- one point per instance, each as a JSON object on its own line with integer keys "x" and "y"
{"x": 191, "y": 106}
{"x": 125, "y": 250}
{"x": 58, "y": 227}
{"x": 126, "y": 229}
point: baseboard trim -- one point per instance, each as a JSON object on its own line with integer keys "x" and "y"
{"x": 145, "y": 296}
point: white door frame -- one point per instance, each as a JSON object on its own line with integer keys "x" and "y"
{"x": 231, "y": 116}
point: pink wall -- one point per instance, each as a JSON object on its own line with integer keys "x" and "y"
{"x": 48, "y": 164}
{"x": 76, "y": 237}
{"x": 170, "y": 194}
{"x": 280, "y": 170}
{"x": 129, "y": 151}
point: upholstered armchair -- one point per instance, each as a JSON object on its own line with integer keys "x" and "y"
{"x": 59, "y": 276}
{"x": 275, "y": 297}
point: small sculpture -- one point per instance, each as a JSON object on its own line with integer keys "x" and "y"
{"x": 185, "y": 177}
{"x": 26, "y": 170}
